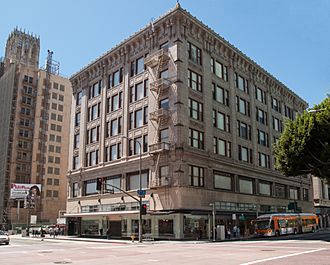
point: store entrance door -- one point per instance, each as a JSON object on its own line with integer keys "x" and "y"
{"x": 114, "y": 229}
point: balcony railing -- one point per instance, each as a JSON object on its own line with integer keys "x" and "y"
{"x": 159, "y": 147}
{"x": 153, "y": 59}
{"x": 160, "y": 86}
{"x": 159, "y": 114}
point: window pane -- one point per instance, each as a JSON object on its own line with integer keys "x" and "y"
{"x": 222, "y": 182}
{"x": 246, "y": 186}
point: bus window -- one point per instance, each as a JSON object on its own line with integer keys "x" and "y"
{"x": 272, "y": 225}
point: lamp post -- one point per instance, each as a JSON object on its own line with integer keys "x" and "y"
{"x": 213, "y": 219}
{"x": 140, "y": 187}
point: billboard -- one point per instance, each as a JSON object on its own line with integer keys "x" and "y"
{"x": 24, "y": 191}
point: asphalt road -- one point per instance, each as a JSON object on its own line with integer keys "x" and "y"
{"x": 306, "y": 249}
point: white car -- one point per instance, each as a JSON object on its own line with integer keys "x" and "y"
{"x": 4, "y": 238}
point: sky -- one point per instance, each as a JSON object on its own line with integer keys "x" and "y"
{"x": 289, "y": 39}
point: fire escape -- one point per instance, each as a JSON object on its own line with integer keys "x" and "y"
{"x": 160, "y": 114}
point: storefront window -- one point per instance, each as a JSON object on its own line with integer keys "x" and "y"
{"x": 165, "y": 227}
{"x": 195, "y": 227}
{"x": 146, "y": 226}
{"x": 90, "y": 227}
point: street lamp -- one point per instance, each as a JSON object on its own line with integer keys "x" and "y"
{"x": 140, "y": 187}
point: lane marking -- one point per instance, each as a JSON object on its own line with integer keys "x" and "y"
{"x": 283, "y": 256}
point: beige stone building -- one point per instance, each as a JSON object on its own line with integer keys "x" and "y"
{"x": 34, "y": 132}
{"x": 203, "y": 115}
{"x": 321, "y": 196}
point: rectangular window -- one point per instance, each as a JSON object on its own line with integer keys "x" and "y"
{"x": 112, "y": 182}
{"x": 244, "y": 130}
{"x": 93, "y": 135}
{"x": 79, "y": 98}
{"x": 163, "y": 136}
{"x": 221, "y": 121}
{"x": 194, "y": 53}
{"x": 221, "y": 147}
{"x": 223, "y": 181}
{"x": 117, "y": 78}
{"x": 90, "y": 187}
{"x": 94, "y": 112}
{"x": 263, "y": 138}
{"x": 145, "y": 115}
{"x": 95, "y": 89}
{"x": 277, "y": 124}
{"x": 280, "y": 191}
{"x": 114, "y": 127}
{"x": 220, "y": 94}
{"x": 246, "y": 186}
{"x": 93, "y": 158}
{"x": 116, "y": 101}
{"x": 138, "y": 118}
{"x": 241, "y": 83}
{"x": 75, "y": 189}
{"x": 133, "y": 181}
{"x": 75, "y": 163}
{"x": 288, "y": 112}
{"x": 76, "y": 141}
{"x": 265, "y": 188}
{"x": 242, "y": 106}
{"x": 244, "y": 154}
{"x": 219, "y": 69}
{"x": 305, "y": 194}
{"x": 164, "y": 104}
{"x": 196, "y": 138}
{"x": 139, "y": 91}
{"x": 194, "y": 81}
{"x": 196, "y": 109}
{"x": 261, "y": 116}
{"x": 196, "y": 176}
{"x": 261, "y": 95}
{"x": 293, "y": 193}
{"x": 276, "y": 105}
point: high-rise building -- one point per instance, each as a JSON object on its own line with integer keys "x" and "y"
{"x": 34, "y": 120}
{"x": 202, "y": 115}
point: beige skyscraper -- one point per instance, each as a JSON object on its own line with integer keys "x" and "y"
{"x": 34, "y": 132}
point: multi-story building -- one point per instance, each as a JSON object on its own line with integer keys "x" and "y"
{"x": 204, "y": 117}
{"x": 34, "y": 119}
{"x": 321, "y": 196}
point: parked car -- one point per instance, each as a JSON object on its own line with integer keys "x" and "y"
{"x": 4, "y": 238}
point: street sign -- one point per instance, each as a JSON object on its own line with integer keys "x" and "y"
{"x": 141, "y": 193}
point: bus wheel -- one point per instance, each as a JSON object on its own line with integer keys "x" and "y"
{"x": 277, "y": 233}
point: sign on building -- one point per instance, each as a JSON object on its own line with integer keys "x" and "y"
{"x": 24, "y": 191}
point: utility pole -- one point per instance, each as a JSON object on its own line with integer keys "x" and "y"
{"x": 213, "y": 219}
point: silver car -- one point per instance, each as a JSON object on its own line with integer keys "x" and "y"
{"x": 4, "y": 238}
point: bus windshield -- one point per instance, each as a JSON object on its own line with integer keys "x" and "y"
{"x": 262, "y": 224}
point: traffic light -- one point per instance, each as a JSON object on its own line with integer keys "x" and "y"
{"x": 99, "y": 184}
{"x": 143, "y": 209}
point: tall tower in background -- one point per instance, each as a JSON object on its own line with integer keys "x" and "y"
{"x": 32, "y": 106}
{"x": 22, "y": 48}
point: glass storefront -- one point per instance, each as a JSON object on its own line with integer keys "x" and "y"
{"x": 195, "y": 227}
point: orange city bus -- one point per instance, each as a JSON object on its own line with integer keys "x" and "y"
{"x": 285, "y": 223}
